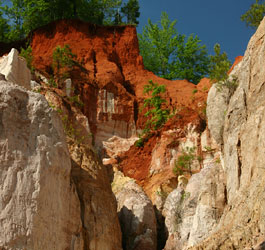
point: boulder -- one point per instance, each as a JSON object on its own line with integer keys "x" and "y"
{"x": 136, "y": 215}
{"x": 15, "y": 69}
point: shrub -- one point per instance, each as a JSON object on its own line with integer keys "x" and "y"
{"x": 185, "y": 160}
{"x": 219, "y": 67}
{"x": 63, "y": 61}
{"x": 156, "y": 114}
{"x": 27, "y": 54}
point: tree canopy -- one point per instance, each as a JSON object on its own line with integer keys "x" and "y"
{"x": 131, "y": 11}
{"x": 255, "y": 14}
{"x": 22, "y": 16}
{"x": 172, "y": 55}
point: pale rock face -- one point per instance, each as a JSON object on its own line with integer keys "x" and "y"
{"x": 15, "y": 69}
{"x": 39, "y": 207}
{"x": 115, "y": 145}
{"x": 109, "y": 107}
{"x": 101, "y": 227}
{"x": 136, "y": 214}
{"x": 217, "y": 102}
{"x": 73, "y": 120}
{"x": 68, "y": 86}
{"x": 242, "y": 225}
{"x": 191, "y": 214}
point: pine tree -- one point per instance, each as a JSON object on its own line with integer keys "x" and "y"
{"x": 4, "y": 28}
{"x": 131, "y": 11}
{"x": 255, "y": 14}
{"x": 171, "y": 55}
{"x": 27, "y": 15}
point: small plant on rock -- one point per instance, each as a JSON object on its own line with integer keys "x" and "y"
{"x": 63, "y": 61}
{"x": 157, "y": 114}
{"x": 219, "y": 67}
{"x": 185, "y": 160}
{"x": 27, "y": 54}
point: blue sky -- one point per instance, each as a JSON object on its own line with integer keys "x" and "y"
{"x": 213, "y": 21}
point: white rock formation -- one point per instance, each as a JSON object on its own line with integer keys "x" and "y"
{"x": 191, "y": 214}
{"x": 136, "y": 215}
{"x": 242, "y": 225}
{"x": 39, "y": 207}
{"x": 15, "y": 69}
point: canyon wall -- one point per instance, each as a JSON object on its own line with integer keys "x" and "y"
{"x": 242, "y": 130}
{"x": 50, "y": 198}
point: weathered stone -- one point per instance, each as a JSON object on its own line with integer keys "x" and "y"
{"x": 242, "y": 225}
{"x": 39, "y": 207}
{"x": 217, "y": 103}
{"x": 136, "y": 214}
{"x": 191, "y": 214}
{"x": 101, "y": 228}
{"x": 34, "y": 85}
{"x": 15, "y": 69}
{"x": 115, "y": 145}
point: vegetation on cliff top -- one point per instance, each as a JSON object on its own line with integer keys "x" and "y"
{"x": 255, "y": 14}
{"x": 172, "y": 55}
{"x": 165, "y": 52}
{"x": 19, "y": 17}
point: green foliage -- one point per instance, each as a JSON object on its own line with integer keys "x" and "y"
{"x": 219, "y": 66}
{"x": 63, "y": 57}
{"x": 14, "y": 14}
{"x": 208, "y": 149}
{"x": 76, "y": 101}
{"x": 131, "y": 11}
{"x": 184, "y": 195}
{"x": 52, "y": 83}
{"x": 4, "y": 28}
{"x": 171, "y": 55}
{"x": 191, "y": 60}
{"x": 255, "y": 14}
{"x": 63, "y": 61}
{"x": 24, "y": 16}
{"x": 156, "y": 114}
{"x": 27, "y": 54}
{"x": 184, "y": 161}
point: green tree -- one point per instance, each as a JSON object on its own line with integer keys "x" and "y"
{"x": 171, "y": 55}
{"x": 15, "y": 14}
{"x": 219, "y": 65}
{"x": 131, "y": 11}
{"x": 191, "y": 60}
{"x": 118, "y": 18}
{"x": 255, "y": 14}
{"x": 27, "y": 15}
{"x": 4, "y": 28}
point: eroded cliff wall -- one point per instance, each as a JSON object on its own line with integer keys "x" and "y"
{"x": 242, "y": 135}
